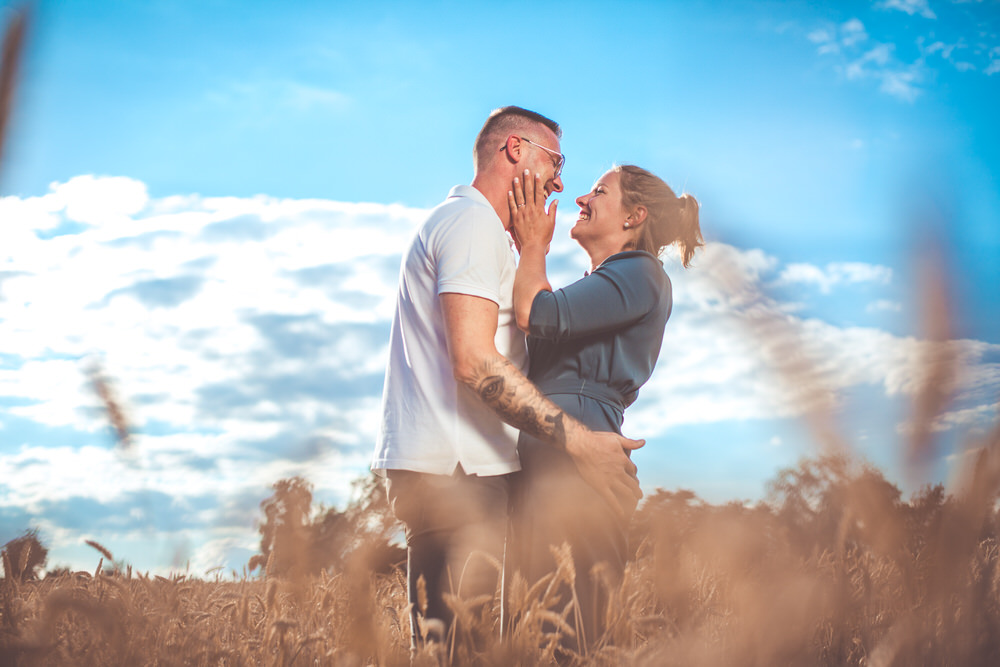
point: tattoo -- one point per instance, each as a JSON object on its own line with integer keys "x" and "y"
{"x": 558, "y": 428}
{"x": 519, "y": 403}
{"x": 491, "y": 388}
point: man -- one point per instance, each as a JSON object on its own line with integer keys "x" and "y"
{"x": 455, "y": 391}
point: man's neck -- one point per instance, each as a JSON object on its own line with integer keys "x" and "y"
{"x": 496, "y": 194}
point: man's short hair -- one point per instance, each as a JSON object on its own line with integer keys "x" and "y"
{"x": 500, "y": 124}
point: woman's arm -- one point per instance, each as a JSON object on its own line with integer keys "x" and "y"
{"x": 533, "y": 228}
{"x": 620, "y": 292}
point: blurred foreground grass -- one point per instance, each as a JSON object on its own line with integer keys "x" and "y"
{"x": 834, "y": 568}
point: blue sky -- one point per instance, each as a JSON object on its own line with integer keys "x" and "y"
{"x": 209, "y": 200}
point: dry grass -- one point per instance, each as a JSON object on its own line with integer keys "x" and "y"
{"x": 10, "y": 61}
{"x": 119, "y": 619}
{"x": 803, "y": 579}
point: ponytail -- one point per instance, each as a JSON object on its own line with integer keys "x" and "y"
{"x": 670, "y": 220}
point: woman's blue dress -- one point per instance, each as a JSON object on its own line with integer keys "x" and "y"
{"x": 592, "y": 345}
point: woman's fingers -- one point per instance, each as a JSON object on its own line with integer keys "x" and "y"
{"x": 526, "y": 201}
{"x": 529, "y": 188}
{"x": 518, "y": 192}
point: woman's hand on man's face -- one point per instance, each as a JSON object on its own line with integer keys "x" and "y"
{"x": 531, "y": 224}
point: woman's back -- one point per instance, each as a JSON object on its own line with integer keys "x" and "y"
{"x": 600, "y": 337}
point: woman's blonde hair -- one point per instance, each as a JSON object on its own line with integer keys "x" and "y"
{"x": 670, "y": 220}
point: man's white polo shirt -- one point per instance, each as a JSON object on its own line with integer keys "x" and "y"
{"x": 431, "y": 422}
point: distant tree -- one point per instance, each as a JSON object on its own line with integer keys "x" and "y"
{"x": 294, "y": 542}
{"x": 284, "y": 540}
{"x": 808, "y": 501}
{"x": 664, "y": 518}
{"x": 24, "y": 556}
{"x": 374, "y": 527}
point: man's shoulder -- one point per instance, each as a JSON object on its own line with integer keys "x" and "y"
{"x": 463, "y": 213}
{"x": 464, "y": 200}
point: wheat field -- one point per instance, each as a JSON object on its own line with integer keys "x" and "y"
{"x": 832, "y": 569}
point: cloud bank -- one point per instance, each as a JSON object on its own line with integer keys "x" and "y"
{"x": 908, "y": 48}
{"x": 246, "y": 340}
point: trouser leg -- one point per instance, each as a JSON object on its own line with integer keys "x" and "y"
{"x": 554, "y": 506}
{"x": 455, "y": 533}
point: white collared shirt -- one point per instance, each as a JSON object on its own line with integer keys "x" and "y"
{"x": 431, "y": 422}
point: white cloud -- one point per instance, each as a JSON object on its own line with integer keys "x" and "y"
{"x": 93, "y": 201}
{"x": 878, "y": 55}
{"x": 30, "y": 213}
{"x": 820, "y": 36}
{"x": 977, "y": 422}
{"x": 737, "y": 354}
{"x": 835, "y": 273}
{"x": 945, "y": 49}
{"x": 260, "y": 103}
{"x": 901, "y": 84}
{"x": 994, "y": 61}
{"x": 911, "y": 7}
{"x": 860, "y": 56}
{"x": 853, "y": 32}
{"x": 242, "y": 335}
{"x": 246, "y": 340}
{"x": 884, "y": 305}
{"x": 833, "y": 39}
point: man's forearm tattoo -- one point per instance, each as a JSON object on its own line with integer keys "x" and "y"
{"x": 558, "y": 428}
{"x": 491, "y": 388}
{"x": 520, "y": 404}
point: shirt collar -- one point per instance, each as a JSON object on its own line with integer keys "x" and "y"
{"x": 479, "y": 197}
{"x": 471, "y": 193}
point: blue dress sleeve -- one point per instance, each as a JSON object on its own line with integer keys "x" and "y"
{"x": 620, "y": 292}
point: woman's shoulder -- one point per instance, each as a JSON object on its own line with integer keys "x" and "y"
{"x": 631, "y": 262}
{"x": 633, "y": 256}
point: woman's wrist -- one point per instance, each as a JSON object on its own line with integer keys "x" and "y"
{"x": 534, "y": 248}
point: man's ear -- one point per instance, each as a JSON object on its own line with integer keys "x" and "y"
{"x": 637, "y": 216}
{"x": 513, "y": 148}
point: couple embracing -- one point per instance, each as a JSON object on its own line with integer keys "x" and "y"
{"x": 504, "y": 399}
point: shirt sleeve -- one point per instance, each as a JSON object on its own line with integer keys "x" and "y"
{"x": 620, "y": 292}
{"x": 470, "y": 253}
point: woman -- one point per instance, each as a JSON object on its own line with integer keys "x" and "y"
{"x": 591, "y": 345}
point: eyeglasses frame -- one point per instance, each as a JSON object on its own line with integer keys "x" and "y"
{"x": 562, "y": 158}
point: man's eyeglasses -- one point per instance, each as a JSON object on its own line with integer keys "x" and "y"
{"x": 560, "y": 158}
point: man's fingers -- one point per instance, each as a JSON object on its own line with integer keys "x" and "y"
{"x": 635, "y": 489}
{"x": 631, "y": 445}
{"x": 631, "y": 496}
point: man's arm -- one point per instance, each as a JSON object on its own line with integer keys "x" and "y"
{"x": 470, "y": 325}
